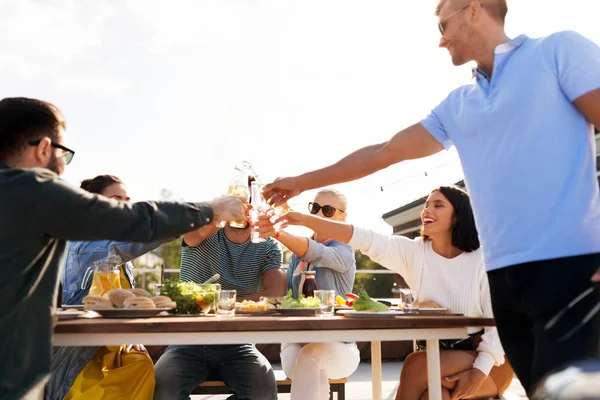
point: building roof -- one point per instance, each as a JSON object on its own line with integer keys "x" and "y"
{"x": 414, "y": 203}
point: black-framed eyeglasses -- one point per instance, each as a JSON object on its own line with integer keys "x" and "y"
{"x": 68, "y": 152}
{"x": 328, "y": 211}
{"x": 442, "y": 22}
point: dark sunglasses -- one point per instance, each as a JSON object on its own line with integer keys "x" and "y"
{"x": 442, "y": 23}
{"x": 68, "y": 152}
{"x": 328, "y": 211}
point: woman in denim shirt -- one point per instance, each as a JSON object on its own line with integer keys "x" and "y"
{"x": 68, "y": 362}
{"x": 310, "y": 366}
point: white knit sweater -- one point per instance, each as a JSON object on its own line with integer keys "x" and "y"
{"x": 460, "y": 284}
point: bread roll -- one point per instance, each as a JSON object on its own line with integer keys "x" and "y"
{"x": 140, "y": 292}
{"x": 139, "y": 302}
{"x": 164, "y": 302}
{"x": 96, "y": 303}
{"x": 429, "y": 304}
{"x": 118, "y": 297}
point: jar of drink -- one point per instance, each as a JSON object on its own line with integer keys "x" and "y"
{"x": 308, "y": 283}
{"x": 106, "y": 276}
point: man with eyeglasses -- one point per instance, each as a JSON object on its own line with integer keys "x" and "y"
{"x": 38, "y": 213}
{"x": 523, "y": 131}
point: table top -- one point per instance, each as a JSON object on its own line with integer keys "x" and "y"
{"x": 177, "y": 324}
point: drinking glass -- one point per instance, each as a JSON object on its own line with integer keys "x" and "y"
{"x": 410, "y": 303}
{"x": 259, "y": 208}
{"x": 226, "y": 304}
{"x": 238, "y": 186}
{"x": 327, "y": 298}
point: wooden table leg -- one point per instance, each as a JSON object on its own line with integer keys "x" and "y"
{"x": 433, "y": 369}
{"x": 376, "y": 369}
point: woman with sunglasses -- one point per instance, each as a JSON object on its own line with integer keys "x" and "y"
{"x": 310, "y": 366}
{"x": 72, "y": 367}
{"x": 443, "y": 266}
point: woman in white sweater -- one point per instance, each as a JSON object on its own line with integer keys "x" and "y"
{"x": 445, "y": 266}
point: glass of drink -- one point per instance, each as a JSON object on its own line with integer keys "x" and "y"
{"x": 226, "y": 304}
{"x": 276, "y": 202}
{"x": 327, "y": 298}
{"x": 409, "y": 303}
{"x": 238, "y": 186}
{"x": 259, "y": 208}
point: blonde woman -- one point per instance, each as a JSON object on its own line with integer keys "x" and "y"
{"x": 310, "y": 366}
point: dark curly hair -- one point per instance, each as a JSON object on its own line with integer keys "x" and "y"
{"x": 464, "y": 232}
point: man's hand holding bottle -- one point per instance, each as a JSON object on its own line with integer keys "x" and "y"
{"x": 229, "y": 208}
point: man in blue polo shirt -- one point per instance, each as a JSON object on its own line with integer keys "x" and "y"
{"x": 523, "y": 130}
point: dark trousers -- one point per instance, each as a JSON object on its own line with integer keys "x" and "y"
{"x": 526, "y": 296}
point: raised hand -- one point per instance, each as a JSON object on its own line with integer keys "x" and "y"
{"x": 229, "y": 208}
{"x": 286, "y": 187}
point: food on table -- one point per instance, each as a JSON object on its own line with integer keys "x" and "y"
{"x": 350, "y": 299}
{"x": 251, "y": 306}
{"x": 118, "y": 296}
{"x": 288, "y": 301}
{"x": 164, "y": 302}
{"x": 96, "y": 303}
{"x": 206, "y": 301}
{"x": 429, "y": 304}
{"x": 340, "y": 300}
{"x": 365, "y": 303}
{"x": 121, "y": 298}
{"x": 187, "y": 294}
{"x": 139, "y": 302}
{"x": 139, "y": 292}
{"x": 72, "y": 310}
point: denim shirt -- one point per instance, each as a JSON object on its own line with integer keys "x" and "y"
{"x": 83, "y": 255}
{"x": 67, "y": 362}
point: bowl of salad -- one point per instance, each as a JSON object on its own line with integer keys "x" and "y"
{"x": 191, "y": 298}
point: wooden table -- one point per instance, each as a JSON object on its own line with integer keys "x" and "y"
{"x": 271, "y": 329}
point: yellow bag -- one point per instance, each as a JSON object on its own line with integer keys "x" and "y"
{"x": 115, "y": 374}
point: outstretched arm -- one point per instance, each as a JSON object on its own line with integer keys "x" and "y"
{"x": 410, "y": 143}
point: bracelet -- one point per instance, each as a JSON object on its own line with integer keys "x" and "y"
{"x": 277, "y": 235}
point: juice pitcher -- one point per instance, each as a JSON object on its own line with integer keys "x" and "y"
{"x": 106, "y": 275}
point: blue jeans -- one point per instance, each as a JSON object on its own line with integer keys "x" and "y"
{"x": 242, "y": 368}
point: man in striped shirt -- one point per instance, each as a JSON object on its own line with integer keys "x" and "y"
{"x": 253, "y": 270}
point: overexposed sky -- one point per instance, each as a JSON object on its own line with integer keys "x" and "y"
{"x": 171, "y": 94}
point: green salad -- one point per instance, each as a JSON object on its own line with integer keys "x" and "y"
{"x": 190, "y": 297}
{"x": 288, "y": 301}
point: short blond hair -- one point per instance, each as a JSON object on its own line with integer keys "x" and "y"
{"x": 337, "y": 194}
{"x": 497, "y": 9}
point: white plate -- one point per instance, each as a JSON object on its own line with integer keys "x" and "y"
{"x": 369, "y": 314}
{"x": 129, "y": 312}
{"x": 431, "y": 309}
{"x": 63, "y": 315}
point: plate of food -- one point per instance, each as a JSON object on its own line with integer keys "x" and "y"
{"x": 122, "y": 303}
{"x": 298, "y": 307}
{"x": 130, "y": 312}
{"x": 249, "y": 307}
